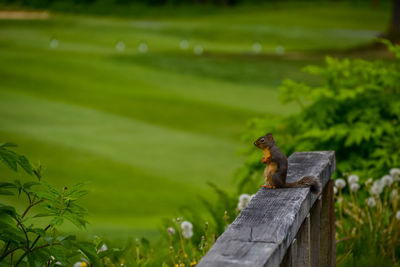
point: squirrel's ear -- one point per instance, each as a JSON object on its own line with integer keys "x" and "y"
{"x": 269, "y": 137}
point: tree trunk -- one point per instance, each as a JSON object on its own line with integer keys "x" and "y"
{"x": 394, "y": 28}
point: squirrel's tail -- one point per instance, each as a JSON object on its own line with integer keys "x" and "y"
{"x": 307, "y": 181}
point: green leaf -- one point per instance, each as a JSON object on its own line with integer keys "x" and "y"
{"x": 11, "y": 159}
{"x": 24, "y": 163}
{"x": 38, "y": 231}
{"x": 31, "y": 260}
{"x": 6, "y": 192}
{"x": 42, "y": 215}
{"x": 90, "y": 252}
{"x": 27, "y": 186}
{"x": 9, "y": 210}
{"x": 56, "y": 221}
{"x": 8, "y": 144}
{"x": 10, "y": 233}
{"x": 7, "y": 185}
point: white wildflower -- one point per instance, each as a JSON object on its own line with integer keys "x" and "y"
{"x": 120, "y": 46}
{"x": 187, "y": 229}
{"x": 184, "y": 44}
{"x": 398, "y": 215}
{"x": 198, "y": 50}
{"x": 369, "y": 181}
{"x": 354, "y": 187}
{"x": 371, "y": 202}
{"x": 387, "y": 180}
{"x": 280, "y": 50}
{"x": 395, "y": 173}
{"x": 340, "y": 183}
{"x": 244, "y": 199}
{"x": 80, "y": 264}
{"x": 335, "y": 190}
{"x": 353, "y": 179}
{"x": 257, "y": 47}
{"x": 376, "y": 188}
{"x": 185, "y": 225}
{"x": 103, "y": 248}
{"x": 394, "y": 195}
{"x": 54, "y": 43}
{"x": 187, "y": 234}
{"x": 143, "y": 48}
{"x": 171, "y": 231}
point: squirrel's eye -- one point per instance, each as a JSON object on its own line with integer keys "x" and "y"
{"x": 262, "y": 140}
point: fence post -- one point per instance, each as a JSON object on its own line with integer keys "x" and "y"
{"x": 328, "y": 242}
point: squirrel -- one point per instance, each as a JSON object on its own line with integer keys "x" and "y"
{"x": 277, "y": 165}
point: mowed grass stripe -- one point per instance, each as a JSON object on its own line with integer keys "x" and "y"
{"x": 185, "y": 102}
{"x": 122, "y": 200}
{"x": 162, "y": 152}
{"x": 115, "y": 188}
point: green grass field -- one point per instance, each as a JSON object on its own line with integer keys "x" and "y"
{"x": 147, "y": 131}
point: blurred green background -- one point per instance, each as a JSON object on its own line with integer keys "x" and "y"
{"x": 148, "y": 103}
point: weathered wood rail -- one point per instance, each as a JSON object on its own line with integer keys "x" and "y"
{"x": 284, "y": 227}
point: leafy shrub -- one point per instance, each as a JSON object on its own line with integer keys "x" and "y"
{"x": 368, "y": 221}
{"x": 354, "y": 110}
{"x": 24, "y": 239}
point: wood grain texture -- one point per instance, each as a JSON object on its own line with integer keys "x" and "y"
{"x": 327, "y": 238}
{"x": 315, "y": 224}
{"x": 303, "y": 244}
{"x": 289, "y": 260}
{"x": 264, "y": 230}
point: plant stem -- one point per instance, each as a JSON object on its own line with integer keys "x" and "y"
{"x": 32, "y": 250}
{"x": 30, "y": 206}
{"x": 9, "y": 252}
{"x": 37, "y": 238}
{"x": 5, "y": 249}
{"x": 19, "y": 224}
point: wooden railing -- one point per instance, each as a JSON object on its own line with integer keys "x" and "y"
{"x": 284, "y": 227}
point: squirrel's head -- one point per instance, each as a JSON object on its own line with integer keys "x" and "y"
{"x": 266, "y": 141}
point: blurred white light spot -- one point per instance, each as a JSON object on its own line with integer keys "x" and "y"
{"x": 198, "y": 50}
{"x": 120, "y": 46}
{"x": 257, "y": 47}
{"x": 280, "y": 50}
{"x": 143, "y": 48}
{"x": 184, "y": 44}
{"x": 53, "y": 43}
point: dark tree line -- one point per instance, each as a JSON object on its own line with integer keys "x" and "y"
{"x": 48, "y": 3}
{"x": 393, "y": 33}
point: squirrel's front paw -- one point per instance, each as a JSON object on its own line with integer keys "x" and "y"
{"x": 266, "y": 160}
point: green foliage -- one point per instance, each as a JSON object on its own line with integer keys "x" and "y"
{"x": 13, "y": 160}
{"x": 367, "y": 222}
{"x": 24, "y": 240}
{"x": 222, "y": 211}
{"x": 188, "y": 250}
{"x": 354, "y": 110}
